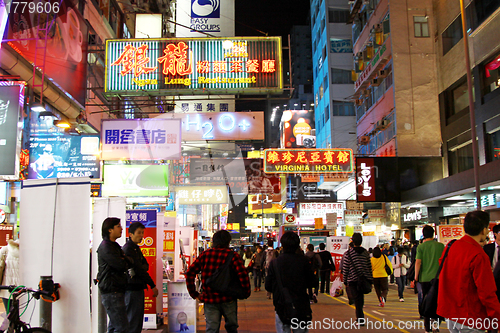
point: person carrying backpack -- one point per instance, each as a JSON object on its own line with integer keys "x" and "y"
{"x": 315, "y": 262}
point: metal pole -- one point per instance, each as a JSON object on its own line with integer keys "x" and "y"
{"x": 475, "y": 155}
{"x": 46, "y": 309}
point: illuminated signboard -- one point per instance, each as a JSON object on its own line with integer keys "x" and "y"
{"x": 141, "y": 139}
{"x": 308, "y": 160}
{"x": 220, "y": 125}
{"x": 315, "y": 210}
{"x": 194, "y": 66}
{"x": 135, "y": 180}
{"x": 199, "y": 195}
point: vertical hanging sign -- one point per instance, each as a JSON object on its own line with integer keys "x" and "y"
{"x": 149, "y": 248}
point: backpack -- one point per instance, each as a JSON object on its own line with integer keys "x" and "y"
{"x": 226, "y": 282}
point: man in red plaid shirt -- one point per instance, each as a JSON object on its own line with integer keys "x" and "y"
{"x": 216, "y": 304}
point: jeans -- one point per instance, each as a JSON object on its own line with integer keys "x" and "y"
{"x": 285, "y": 328}
{"x": 114, "y": 303}
{"x": 325, "y": 280}
{"x": 257, "y": 277}
{"x": 214, "y": 313}
{"x": 359, "y": 299}
{"x": 423, "y": 289}
{"x": 401, "y": 282}
{"x": 381, "y": 286}
{"x": 316, "y": 286}
{"x": 134, "y": 301}
{"x": 455, "y": 327}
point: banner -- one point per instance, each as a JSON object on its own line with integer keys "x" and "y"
{"x": 150, "y": 251}
{"x": 181, "y": 308}
{"x": 448, "y": 232}
{"x": 11, "y": 102}
{"x": 311, "y": 210}
{"x": 141, "y": 139}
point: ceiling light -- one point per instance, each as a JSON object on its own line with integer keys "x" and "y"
{"x": 62, "y": 124}
{"x": 37, "y": 107}
{"x": 47, "y": 114}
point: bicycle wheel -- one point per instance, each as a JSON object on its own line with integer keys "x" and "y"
{"x": 37, "y": 330}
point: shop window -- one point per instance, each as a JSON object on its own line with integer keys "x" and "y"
{"x": 421, "y": 26}
{"x": 494, "y": 146}
{"x": 452, "y": 35}
{"x": 460, "y": 159}
{"x": 492, "y": 75}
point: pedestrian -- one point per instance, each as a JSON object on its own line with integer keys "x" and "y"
{"x": 356, "y": 266}
{"x": 257, "y": 260}
{"x": 9, "y": 268}
{"x": 138, "y": 278}
{"x": 269, "y": 256}
{"x": 392, "y": 253}
{"x": 380, "y": 282}
{"x": 347, "y": 289}
{"x": 400, "y": 264}
{"x": 248, "y": 259}
{"x": 327, "y": 267}
{"x": 242, "y": 250}
{"x": 427, "y": 265}
{"x": 466, "y": 295}
{"x": 294, "y": 273}
{"x": 216, "y": 304}
{"x": 315, "y": 262}
{"x": 112, "y": 275}
{"x": 493, "y": 248}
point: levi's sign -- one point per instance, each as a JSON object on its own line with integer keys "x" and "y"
{"x": 308, "y": 160}
{"x": 200, "y": 66}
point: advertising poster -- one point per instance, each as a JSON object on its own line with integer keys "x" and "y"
{"x": 446, "y": 233}
{"x": 297, "y": 129}
{"x": 149, "y": 249}
{"x": 337, "y": 245}
{"x": 11, "y": 101}
{"x": 64, "y": 156}
{"x": 135, "y": 180}
{"x": 66, "y": 57}
{"x": 181, "y": 308}
{"x": 375, "y": 181}
{"x": 6, "y": 231}
{"x": 198, "y": 17}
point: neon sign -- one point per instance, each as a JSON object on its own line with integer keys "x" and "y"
{"x": 308, "y": 160}
{"x": 194, "y": 66}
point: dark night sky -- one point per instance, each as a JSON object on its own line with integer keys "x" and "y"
{"x": 275, "y": 17}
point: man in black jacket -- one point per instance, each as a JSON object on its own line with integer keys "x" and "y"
{"x": 296, "y": 275}
{"x": 492, "y": 248}
{"x": 112, "y": 275}
{"x": 327, "y": 266}
{"x": 138, "y": 280}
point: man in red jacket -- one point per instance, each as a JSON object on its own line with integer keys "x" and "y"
{"x": 467, "y": 297}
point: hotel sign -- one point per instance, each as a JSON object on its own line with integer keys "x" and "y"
{"x": 193, "y": 66}
{"x": 308, "y": 160}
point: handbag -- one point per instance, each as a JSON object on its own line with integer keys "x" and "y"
{"x": 226, "y": 282}
{"x": 388, "y": 270}
{"x": 364, "y": 285}
{"x": 428, "y": 306}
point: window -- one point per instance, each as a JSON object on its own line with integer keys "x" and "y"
{"x": 452, "y": 35}
{"x": 323, "y": 24}
{"x": 494, "y": 146}
{"x": 340, "y": 108}
{"x": 460, "y": 159}
{"x": 421, "y": 26}
{"x": 321, "y": 91}
{"x": 483, "y": 9}
{"x": 460, "y": 98}
{"x": 327, "y": 113}
{"x": 491, "y": 75}
{"x": 341, "y": 76}
{"x": 337, "y": 16}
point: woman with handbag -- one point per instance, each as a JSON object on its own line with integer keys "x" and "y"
{"x": 381, "y": 268}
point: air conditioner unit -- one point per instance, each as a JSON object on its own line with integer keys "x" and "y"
{"x": 376, "y": 82}
{"x": 383, "y": 73}
{"x": 366, "y": 93}
{"x": 358, "y": 102}
{"x": 364, "y": 139}
{"x": 382, "y": 124}
{"x": 352, "y": 2}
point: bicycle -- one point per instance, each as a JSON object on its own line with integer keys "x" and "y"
{"x": 16, "y": 325}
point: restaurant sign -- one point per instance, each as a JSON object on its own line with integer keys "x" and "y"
{"x": 199, "y": 66}
{"x": 308, "y": 160}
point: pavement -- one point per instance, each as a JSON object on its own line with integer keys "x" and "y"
{"x": 334, "y": 314}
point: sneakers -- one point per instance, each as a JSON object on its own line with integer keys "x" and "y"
{"x": 315, "y": 299}
{"x": 382, "y": 302}
{"x": 255, "y": 290}
{"x": 401, "y": 299}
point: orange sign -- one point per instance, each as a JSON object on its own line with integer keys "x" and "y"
{"x": 448, "y": 232}
{"x": 308, "y": 160}
{"x": 168, "y": 240}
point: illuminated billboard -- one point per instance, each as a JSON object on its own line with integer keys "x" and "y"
{"x": 194, "y": 66}
{"x": 335, "y": 160}
{"x": 135, "y": 180}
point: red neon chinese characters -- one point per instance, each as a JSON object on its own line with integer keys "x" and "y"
{"x": 343, "y": 157}
{"x": 457, "y": 231}
{"x": 252, "y": 66}
{"x": 287, "y": 157}
{"x": 315, "y": 157}
{"x": 203, "y": 67}
{"x": 328, "y": 157}
{"x": 175, "y": 60}
{"x": 236, "y": 66}
{"x": 273, "y": 157}
{"x": 446, "y": 232}
{"x": 134, "y": 59}
{"x": 301, "y": 157}
{"x": 268, "y": 66}
{"x": 220, "y": 67}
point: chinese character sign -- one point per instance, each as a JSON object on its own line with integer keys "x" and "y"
{"x": 149, "y": 249}
{"x": 320, "y": 209}
{"x": 308, "y": 160}
{"x": 178, "y": 66}
{"x": 196, "y": 195}
{"x": 141, "y": 139}
{"x": 447, "y": 233}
